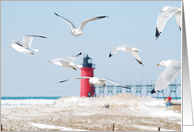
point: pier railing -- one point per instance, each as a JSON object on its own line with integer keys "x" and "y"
{"x": 136, "y": 89}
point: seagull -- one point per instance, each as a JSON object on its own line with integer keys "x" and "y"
{"x": 168, "y": 11}
{"x": 67, "y": 61}
{"x": 24, "y": 47}
{"x": 79, "y": 31}
{"x": 96, "y": 81}
{"x": 173, "y": 67}
{"x": 127, "y": 48}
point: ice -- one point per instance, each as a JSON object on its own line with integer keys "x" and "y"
{"x": 12, "y": 103}
{"x": 44, "y": 126}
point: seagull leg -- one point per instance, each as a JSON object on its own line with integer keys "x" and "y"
{"x": 104, "y": 85}
{"x": 32, "y": 53}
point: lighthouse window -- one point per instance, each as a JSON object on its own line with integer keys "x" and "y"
{"x": 89, "y": 61}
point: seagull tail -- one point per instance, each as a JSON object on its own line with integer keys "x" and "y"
{"x": 153, "y": 91}
{"x": 79, "y": 66}
{"x": 35, "y": 50}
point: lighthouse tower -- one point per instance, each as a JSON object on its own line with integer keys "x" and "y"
{"x": 86, "y": 89}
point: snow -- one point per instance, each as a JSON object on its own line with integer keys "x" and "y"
{"x": 151, "y": 106}
{"x": 151, "y": 128}
{"x": 39, "y": 112}
{"x": 179, "y": 123}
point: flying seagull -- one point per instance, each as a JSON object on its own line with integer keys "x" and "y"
{"x": 24, "y": 46}
{"x": 127, "y": 48}
{"x": 96, "y": 81}
{"x": 79, "y": 31}
{"x": 67, "y": 61}
{"x": 173, "y": 67}
{"x": 167, "y": 13}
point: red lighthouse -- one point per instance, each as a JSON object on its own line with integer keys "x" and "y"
{"x": 86, "y": 89}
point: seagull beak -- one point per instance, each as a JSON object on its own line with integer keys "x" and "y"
{"x": 160, "y": 10}
{"x": 158, "y": 64}
{"x": 10, "y": 46}
{"x": 49, "y": 61}
{"x": 136, "y": 51}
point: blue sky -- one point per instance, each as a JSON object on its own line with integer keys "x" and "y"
{"x": 130, "y": 23}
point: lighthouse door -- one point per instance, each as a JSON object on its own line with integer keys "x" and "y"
{"x": 89, "y": 94}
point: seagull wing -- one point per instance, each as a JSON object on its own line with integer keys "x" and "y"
{"x": 84, "y": 22}
{"x": 178, "y": 18}
{"x": 162, "y": 19}
{"x": 137, "y": 57}
{"x": 73, "y": 78}
{"x": 36, "y": 36}
{"x": 114, "y": 83}
{"x": 18, "y": 43}
{"x": 168, "y": 75}
{"x": 66, "y": 20}
{"x": 27, "y": 40}
{"x": 72, "y": 58}
{"x": 115, "y": 49}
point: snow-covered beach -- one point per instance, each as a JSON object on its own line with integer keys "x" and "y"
{"x": 128, "y": 113}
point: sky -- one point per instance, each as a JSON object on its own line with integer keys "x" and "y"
{"x": 131, "y": 23}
